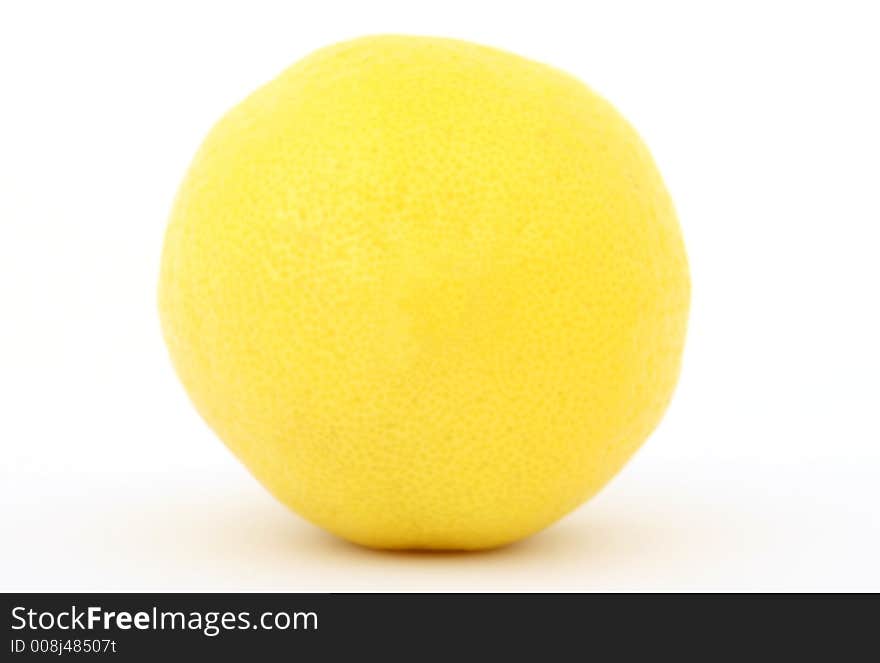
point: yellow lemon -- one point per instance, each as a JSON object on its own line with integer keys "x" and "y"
{"x": 432, "y": 294}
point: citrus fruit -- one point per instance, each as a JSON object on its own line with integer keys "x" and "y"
{"x": 432, "y": 294}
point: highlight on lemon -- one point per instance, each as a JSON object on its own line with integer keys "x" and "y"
{"x": 431, "y": 294}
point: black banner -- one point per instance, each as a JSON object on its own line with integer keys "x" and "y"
{"x": 135, "y": 627}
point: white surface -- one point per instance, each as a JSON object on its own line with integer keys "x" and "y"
{"x": 766, "y": 472}
{"x": 661, "y": 526}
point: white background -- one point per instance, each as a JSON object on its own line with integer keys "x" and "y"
{"x": 765, "y": 474}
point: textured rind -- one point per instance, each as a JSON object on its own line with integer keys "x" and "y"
{"x": 433, "y": 295}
